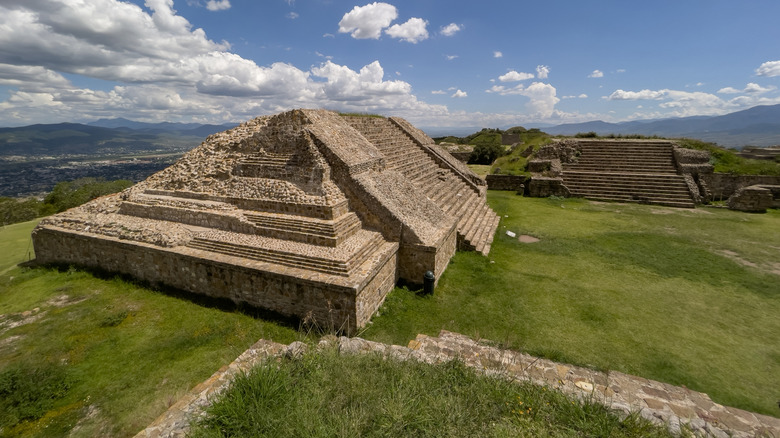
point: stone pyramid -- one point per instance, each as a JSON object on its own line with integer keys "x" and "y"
{"x": 305, "y": 213}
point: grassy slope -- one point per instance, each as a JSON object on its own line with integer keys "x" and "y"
{"x": 17, "y": 245}
{"x": 129, "y": 352}
{"x": 618, "y": 287}
{"x": 325, "y": 394}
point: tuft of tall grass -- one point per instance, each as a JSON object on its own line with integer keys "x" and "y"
{"x": 324, "y": 394}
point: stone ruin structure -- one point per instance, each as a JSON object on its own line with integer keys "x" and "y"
{"x": 305, "y": 213}
{"x": 644, "y": 171}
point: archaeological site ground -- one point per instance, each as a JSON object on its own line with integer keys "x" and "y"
{"x": 323, "y": 222}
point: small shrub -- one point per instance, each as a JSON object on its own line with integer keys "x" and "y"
{"x": 486, "y": 153}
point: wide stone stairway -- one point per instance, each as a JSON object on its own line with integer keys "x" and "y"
{"x": 477, "y": 223}
{"x": 627, "y": 171}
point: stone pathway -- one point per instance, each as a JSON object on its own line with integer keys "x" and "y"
{"x": 658, "y": 402}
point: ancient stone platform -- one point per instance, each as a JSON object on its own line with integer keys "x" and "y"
{"x": 300, "y": 213}
{"x": 673, "y": 406}
{"x": 641, "y": 171}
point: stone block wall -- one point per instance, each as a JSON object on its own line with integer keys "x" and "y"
{"x": 506, "y": 182}
{"x": 325, "y": 300}
{"x": 755, "y": 199}
{"x": 723, "y": 185}
{"x": 542, "y": 187}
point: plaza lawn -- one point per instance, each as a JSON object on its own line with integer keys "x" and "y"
{"x": 688, "y": 297}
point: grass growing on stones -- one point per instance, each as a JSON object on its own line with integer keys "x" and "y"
{"x": 324, "y": 394}
{"x": 91, "y": 356}
{"x": 688, "y": 297}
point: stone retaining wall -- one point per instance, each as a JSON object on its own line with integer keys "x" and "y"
{"x": 755, "y": 199}
{"x": 723, "y": 185}
{"x": 321, "y": 299}
{"x": 506, "y": 182}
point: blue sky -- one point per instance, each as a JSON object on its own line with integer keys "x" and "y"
{"x": 437, "y": 63}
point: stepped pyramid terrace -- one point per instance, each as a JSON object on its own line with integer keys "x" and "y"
{"x": 305, "y": 213}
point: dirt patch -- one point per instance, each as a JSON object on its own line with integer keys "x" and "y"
{"x": 63, "y": 300}
{"x": 734, "y": 256}
{"x": 524, "y": 238}
{"x": 9, "y": 340}
{"x": 654, "y": 211}
{"x": 13, "y": 320}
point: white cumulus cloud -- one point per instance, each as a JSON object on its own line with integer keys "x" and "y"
{"x": 497, "y": 54}
{"x": 159, "y": 67}
{"x": 450, "y": 29}
{"x": 438, "y": 92}
{"x": 459, "y": 94}
{"x": 770, "y": 68}
{"x": 596, "y": 74}
{"x": 636, "y": 95}
{"x": 542, "y": 71}
{"x": 514, "y": 76}
{"x": 367, "y": 22}
{"x": 542, "y": 97}
{"x": 413, "y": 31}
{"x": 218, "y": 5}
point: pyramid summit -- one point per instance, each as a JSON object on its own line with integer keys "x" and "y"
{"x": 306, "y": 213}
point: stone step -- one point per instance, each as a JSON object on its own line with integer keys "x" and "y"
{"x": 621, "y": 168}
{"x": 611, "y": 181}
{"x": 487, "y": 231}
{"x": 440, "y": 185}
{"x": 328, "y": 261}
{"x": 305, "y": 229}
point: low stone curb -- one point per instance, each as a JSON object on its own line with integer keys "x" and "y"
{"x": 658, "y": 402}
{"x": 175, "y": 422}
{"x": 661, "y": 403}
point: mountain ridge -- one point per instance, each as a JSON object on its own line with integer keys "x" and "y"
{"x": 756, "y": 126}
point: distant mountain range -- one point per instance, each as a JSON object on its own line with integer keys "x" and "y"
{"x": 185, "y": 129}
{"x": 757, "y": 126}
{"x": 102, "y": 137}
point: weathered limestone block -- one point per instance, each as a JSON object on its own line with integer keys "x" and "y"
{"x": 566, "y": 151}
{"x": 694, "y": 165}
{"x": 542, "y": 187}
{"x": 506, "y": 182}
{"x": 755, "y": 199}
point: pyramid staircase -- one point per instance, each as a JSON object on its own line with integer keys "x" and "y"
{"x": 477, "y": 223}
{"x": 628, "y": 171}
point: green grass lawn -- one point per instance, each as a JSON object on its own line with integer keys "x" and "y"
{"x": 688, "y": 297}
{"x": 103, "y": 356}
{"x": 325, "y": 394}
{"x": 17, "y": 244}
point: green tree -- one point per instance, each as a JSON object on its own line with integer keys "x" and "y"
{"x": 69, "y": 194}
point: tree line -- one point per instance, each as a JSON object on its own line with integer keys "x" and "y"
{"x": 64, "y": 195}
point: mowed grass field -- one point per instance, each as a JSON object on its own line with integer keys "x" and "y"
{"x": 688, "y": 297}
